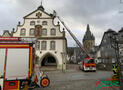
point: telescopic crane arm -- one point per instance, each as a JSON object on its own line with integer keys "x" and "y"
{"x": 73, "y": 36}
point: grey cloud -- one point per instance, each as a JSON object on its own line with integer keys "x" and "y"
{"x": 100, "y": 14}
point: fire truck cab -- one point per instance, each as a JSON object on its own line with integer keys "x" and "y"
{"x": 88, "y": 64}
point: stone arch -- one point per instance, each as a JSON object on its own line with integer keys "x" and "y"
{"x": 49, "y": 54}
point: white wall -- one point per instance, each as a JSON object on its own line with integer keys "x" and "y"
{"x": 60, "y": 43}
{"x": 58, "y": 49}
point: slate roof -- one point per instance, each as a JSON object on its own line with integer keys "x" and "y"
{"x": 6, "y": 33}
{"x": 110, "y": 31}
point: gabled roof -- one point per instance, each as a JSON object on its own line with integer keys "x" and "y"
{"x": 6, "y": 34}
{"x": 41, "y": 8}
{"x": 109, "y": 31}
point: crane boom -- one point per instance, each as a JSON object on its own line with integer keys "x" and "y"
{"x": 73, "y": 36}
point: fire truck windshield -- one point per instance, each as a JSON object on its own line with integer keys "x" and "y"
{"x": 89, "y": 61}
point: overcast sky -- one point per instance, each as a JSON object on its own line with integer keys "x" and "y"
{"x": 100, "y": 14}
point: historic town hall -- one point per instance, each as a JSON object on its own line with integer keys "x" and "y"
{"x": 50, "y": 41}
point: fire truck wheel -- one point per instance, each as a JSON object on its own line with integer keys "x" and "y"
{"x": 45, "y": 82}
{"x": 94, "y": 70}
{"x": 82, "y": 69}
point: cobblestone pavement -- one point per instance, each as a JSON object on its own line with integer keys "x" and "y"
{"x": 74, "y": 79}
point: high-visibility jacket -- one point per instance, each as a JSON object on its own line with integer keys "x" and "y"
{"x": 115, "y": 69}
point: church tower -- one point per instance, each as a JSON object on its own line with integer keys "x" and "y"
{"x": 88, "y": 40}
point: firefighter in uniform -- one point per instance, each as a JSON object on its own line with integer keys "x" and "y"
{"x": 116, "y": 72}
{"x": 115, "y": 69}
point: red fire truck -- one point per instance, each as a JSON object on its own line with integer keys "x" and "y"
{"x": 88, "y": 64}
{"x": 17, "y": 65}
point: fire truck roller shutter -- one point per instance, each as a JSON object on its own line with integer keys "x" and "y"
{"x": 17, "y": 63}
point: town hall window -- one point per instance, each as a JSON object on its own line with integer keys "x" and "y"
{"x": 53, "y": 31}
{"x": 52, "y": 45}
{"x": 43, "y": 45}
{"x": 44, "y": 31}
{"x": 32, "y": 23}
{"x": 44, "y": 23}
{"x": 32, "y": 31}
{"x": 37, "y": 45}
{"x": 23, "y": 31}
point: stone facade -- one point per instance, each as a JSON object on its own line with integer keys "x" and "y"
{"x": 50, "y": 42}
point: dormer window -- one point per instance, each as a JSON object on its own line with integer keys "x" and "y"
{"x": 23, "y": 32}
{"x": 32, "y": 23}
{"x": 32, "y": 31}
{"x": 53, "y": 31}
{"x": 44, "y": 23}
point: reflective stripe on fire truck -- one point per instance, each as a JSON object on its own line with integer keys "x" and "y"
{"x": 30, "y": 66}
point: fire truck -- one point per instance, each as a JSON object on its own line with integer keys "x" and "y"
{"x": 17, "y": 67}
{"x": 88, "y": 63}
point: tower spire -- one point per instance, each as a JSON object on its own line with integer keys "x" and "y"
{"x": 88, "y": 27}
{"x": 88, "y": 32}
